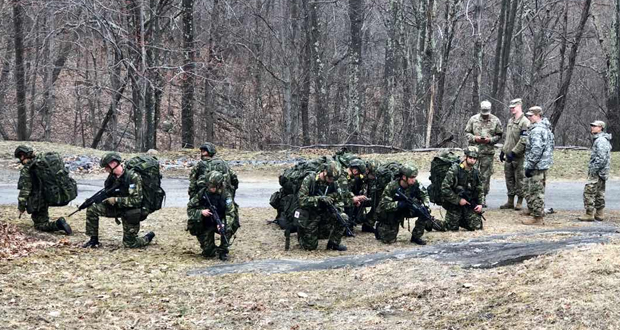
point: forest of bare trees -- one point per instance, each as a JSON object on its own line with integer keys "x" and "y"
{"x": 263, "y": 74}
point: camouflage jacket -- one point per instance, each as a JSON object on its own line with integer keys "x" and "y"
{"x": 388, "y": 202}
{"x": 221, "y": 199}
{"x": 539, "y": 148}
{"x": 490, "y": 128}
{"x": 600, "y": 158}
{"x": 129, "y": 193}
{"x": 458, "y": 180}
{"x": 312, "y": 188}
{"x": 206, "y": 165}
{"x": 28, "y": 192}
{"x": 516, "y": 136}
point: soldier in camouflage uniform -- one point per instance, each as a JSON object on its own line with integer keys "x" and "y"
{"x": 200, "y": 221}
{"x": 513, "y": 153}
{"x": 463, "y": 194}
{"x": 208, "y": 162}
{"x": 30, "y": 197}
{"x": 598, "y": 173}
{"x": 392, "y": 210}
{"x": 484, "y": 130}
{"x": 374, "y": 192}
{"x": 538, "y": 159}
{"x": 356, "y": 191}
{"x": 317, "y": 192}
{"x": 124, "y": 202}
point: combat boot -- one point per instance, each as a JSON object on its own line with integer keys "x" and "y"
{"x": 589, "y": 216}
{"x": 418, "y": 240}
{"x": 367, "y": 229}
{"x": 519, "y": 205}
{"x": 510, "y": 204}
{"x": 92, "y": 243}
{"x": 525, "y": 212}
{"x": 600, "y": 214}
{"x": 149, "y": 237}
{"x": 224, "y": 256}
{"x": 336, "y": 247}
{"x": 62, "y": 224}
{"x": 537, "y": 221}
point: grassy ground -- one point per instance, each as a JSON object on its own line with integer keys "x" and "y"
{"x": 60, "y": 286}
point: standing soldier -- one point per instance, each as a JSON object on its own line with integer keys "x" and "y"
{"x": 463, "y": 194}
{"x": 513, "y": 153}
{"x": 538, "y": 159}
{"x": 484, "y": 130}
{"x": 201, "y": 211}
{"x": 30, "y": 196}
{"x": 125, "y": 202}
{"x": 208, "y": 162}
{"x": 393, "y": 209}
{"x": 320, "y": 198}
{"x": 598, "y": 173}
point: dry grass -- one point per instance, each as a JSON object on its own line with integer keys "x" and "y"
{"x": 114, "y": 288}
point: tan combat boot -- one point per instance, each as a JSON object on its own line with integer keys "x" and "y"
{"x": 510, "y": 204}
{"x": 538, "y": 221}
{"x": 589, "y": 216}
{"x": 600, "y": 214}
{"x": 519, "y": 205}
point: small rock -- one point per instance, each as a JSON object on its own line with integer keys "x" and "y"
{"x": 302, "y": 294}
{"x": 54, "y": 314}
{"x": 467, "y": 285}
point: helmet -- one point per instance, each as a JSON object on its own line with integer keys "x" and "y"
{"x": 409, "y": 170}
{"x": 332, "y": 170}
{"x": 215, "y": 179}
{"x": 24, "y": 150}
{"x": 209, "y": 147}
{"x": 360, "y": 164}
{"x": 372, "y": 166}
{"x": 110, "y": 156}
{"x": 471, "y": 152}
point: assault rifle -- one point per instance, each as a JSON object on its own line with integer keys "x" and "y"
{"x": 334, "y": 211}
{"x": 472, "y": 202}
{"x": 216, "y": 218}
{"x": 97, "y": 198}
{"x": 415, "y": 207}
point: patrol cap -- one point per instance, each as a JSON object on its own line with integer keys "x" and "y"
{"x": 485, "y": 107}
{"x": 215, "y": 179}
{"x": 536, "y": 110}
{"x": 599, "y": 123}
{"x": 471, "y": 152}
{"x": 409, "y": 170}
{"x": 515, "y": 102}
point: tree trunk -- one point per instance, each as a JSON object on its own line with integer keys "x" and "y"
{"x": 498, "y": 46}
{"x": 389, "y": 79}
{"x": 356, "y": 13}
{"x": 306, "y": 58}
{"x": 20, "y": 79}
{"x": 318, "y": 68}
{"x": 187, "y": 101}
{"x": 613, "y": 76}
{"x": 517, "y": 78}
{"x": 510, "y": 23}
{"x": 477, "y": 65}
{"x": 4, "y": 82}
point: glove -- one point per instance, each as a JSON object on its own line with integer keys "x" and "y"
{"x": 110, "y": 200}
{"x": 529, "y": 172}
{"x": 326, "y": 200}
{"x": 402, "y": 205}
{"x": 511, "y": 157}
{"x": 502, "y": 157}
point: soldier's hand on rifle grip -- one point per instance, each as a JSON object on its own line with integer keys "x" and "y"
{"x": 502, "y": 157}
{"x": 478, "y": 209}
{"x": 463, "y": 202}
{"x": 110, "y": 200}
{"x": 327, "y": 200}
{"x": 206, "y": 213}
{"x": 402, "y": 205}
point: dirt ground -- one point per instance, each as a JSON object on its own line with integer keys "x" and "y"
{"x": 60, "y": 286}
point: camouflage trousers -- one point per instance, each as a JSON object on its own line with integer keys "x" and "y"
{"x": 41, "y": 220}
{"x": 535, "y": 193}
{"x": 388, "y": 226}
{"x": 207, "y": 242}
{"x": 594, "y": 194}
{"x": 460, "y": 216}
{"x": 485, "y": 166}
{"x": 130, "y": 230}
{"x": 515, "y": 177}
{"x": 309, "y": 223}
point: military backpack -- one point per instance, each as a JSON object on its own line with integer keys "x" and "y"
{"x": 292, "y": 177}
{"x": 439, "y": 167}
{"x": 152, "y": 194}
{"x": 57, "y": 187}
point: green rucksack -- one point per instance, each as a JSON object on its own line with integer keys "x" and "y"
{"x": 152, "y": 194}
{"x": 57, "y": 187}
{"x": 292, "y": 177}
{"x": 439, "y": 167}
{"x": 386, "y": 173}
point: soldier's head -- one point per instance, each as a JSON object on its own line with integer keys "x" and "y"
{"x": 534, "y": 114}
{"x": 357, "y": 167}
{"x": 515, "y": 107}
{"x": 112, "y": 163}
{"x": 597, "y": 127}
{"x": 24, "y": 153}
{"x": 329, "y": 172}
{"x": 485, "y": 108}
{"x": 408, "y": 175}
{"x": 471, "y": 156}
{"x": 207, "y": 149}
{"x": 215, "y": 181}
{"x": 371, "y": 168}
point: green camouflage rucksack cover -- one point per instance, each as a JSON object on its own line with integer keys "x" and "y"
{"x": 57, "y": 187}
{"x": 439, "y": 166}
{"x": 291, "y": 178}
{"x": 386, "y": 173}
{"x": 152, "y": 194}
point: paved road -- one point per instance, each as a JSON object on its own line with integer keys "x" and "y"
{"x": 255, "y": 192}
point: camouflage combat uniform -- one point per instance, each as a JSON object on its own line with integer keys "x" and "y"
{"x": 459, "y": 179}
{"x": 127, "y": 207}
{"x": 516, "y": 139}
{"x": 490, "y": 128}
{"x": 313, "y": 213}
{"x": 598, "y": 172}
{"x": 31, "y": 199}
{"x": 390, "y": 215}
{"x": 539, "y": 158}
{"x": 209, "y": 164}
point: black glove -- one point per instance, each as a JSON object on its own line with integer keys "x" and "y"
{"x": 529, "y": 172}
{"x": 502, "y": 157}
{"x": 327, "y": 200}
{"x": 511, "y": 157}
{"x": 402, "y": 205}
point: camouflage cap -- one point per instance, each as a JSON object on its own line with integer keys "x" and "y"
{"x": 371, "y": 166}
{"x": 359, "y": 164}
{"x": 110, "y": 156}
{"x": 215, "y": 179}
{"x": 471, "y": 152}
{"x": 599, "y": 123}
{"x": 331, "y": 169}
{"x": 23, "y": 150}
{"x": 515, "y": 102}
{"x": 409, "y": 170}
{"x": 485, "y": 107}
{"x": 209, "y": 147}
{"x": 536, "y": 110}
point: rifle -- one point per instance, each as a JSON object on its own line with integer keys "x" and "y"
{"x": 415, "y": 207}
{"x": 97, "y": 198}
{"x": 216, "y": 218}
{"x": 471, "y": 201}
{"x": 334, "y": 211}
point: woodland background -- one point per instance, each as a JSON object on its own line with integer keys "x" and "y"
{"x": 134, "y": 75}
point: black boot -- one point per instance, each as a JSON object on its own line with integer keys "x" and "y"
{"x": 224, "y": 256}
{"x": 418, "y": 240}
{"x": 92, "y": 243}
{"x": 336, "y": 247}
{"x": 62, "y": 224}
{"x": 149, "y": 236}
{"x": 367, "y": 229}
